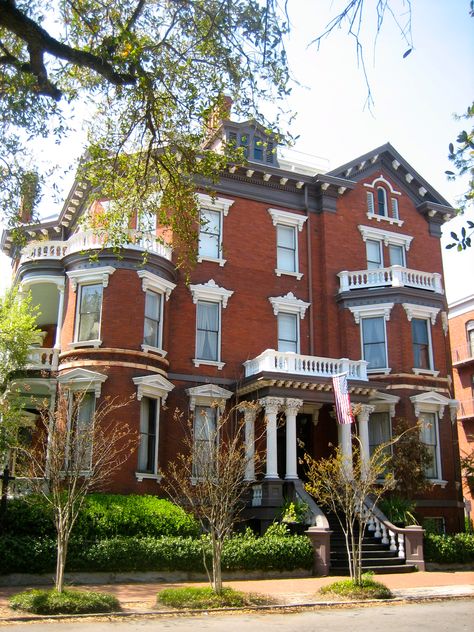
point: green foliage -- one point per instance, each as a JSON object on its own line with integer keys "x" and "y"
{"x": 410, "y": 459}
{"x": 398, "y": 510}
{"x": 462, "y": 157}
{"x": 294, "y": 511}
{"x": 65, "y": 602}
{"x": 103, "y": 516}
{"x": 366, "y": 589}
{"x": 449, "y": 549}
{"x": 242, "y": 552}
{"x": 205, "y": 598}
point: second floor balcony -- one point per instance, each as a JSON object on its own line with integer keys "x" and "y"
{"x": 42, "y": 359}
{"x": 89, "y": 240}
{"x": 308, "y": 366}
{"x": 393, "y": 276}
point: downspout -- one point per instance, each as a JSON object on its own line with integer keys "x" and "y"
{"x": 310, "y": 271}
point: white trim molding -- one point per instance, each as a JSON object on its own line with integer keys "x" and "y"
{"x": 388, "y": 238}
{"x": 371, "y": 311}
{"x": 210, "y": 291}
{"x": 214, "y": 203}
{"x": 420, "y": 311}
{"x": 384, "y": 402}
{"x": 206, "y": 394}
{"x": 83, "y": 380}
{"x": 28, "y": 281}
{"x": 153, "y": 386}
{"x": 155, "y": 283}
{"x": 288, "y": 219}
{"x": 289, "y": 304}
{"x": 90, "y": 275}
{"x": 383, "y": 180}
{"x": 432, "y": 402}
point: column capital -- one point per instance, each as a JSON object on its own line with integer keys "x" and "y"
{"x": 249, "y": 411}
{"x": 293, "y": 405}
{"x": 271, "y": 404}
{"x": 365, "y": 411}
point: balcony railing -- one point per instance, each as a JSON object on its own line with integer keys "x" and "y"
{"x": 90, "y": 240}
{"x": 394, "y": 276}
{"x": 464, "y": 353}
{"x": 466, "y": 409}
{"x": 309, "y": 366}
{"x": 40, "y": 358}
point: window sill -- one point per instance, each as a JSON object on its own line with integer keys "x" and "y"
{"x": 379, "y": 371}
{"x": 298, "y": 275}
{"x": 85, "y": 343}
{"x": 198, "y": 362}
{"x": 425, "y": 372}
{"x": 384, "y": 218}
{"x": 157, "y": 350}
{"x": 140, "y": 476}
{"x": 218, "y": 260}
{"x": 438, "y": 481}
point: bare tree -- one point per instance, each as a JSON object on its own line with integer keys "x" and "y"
{"x": 208, "y": 478}
{"x": 342, "y": 488}
{"x": 74, "y": 453}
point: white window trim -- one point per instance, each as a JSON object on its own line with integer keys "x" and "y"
{"x": 289, "y": 304}
{"x": 378, "y": 370}
{"x": 424, "y": 312}
{"x": 379, "y": 243}
{"x": 298, "y": 337}
{"x": 161, "y": 286}
{"x": 384, "y": 402}
{"x": 208, "y": 395}
{"x": 294, "y": 221}
{"x": 380, "y": 178}
{"x": 221, "y": 205}
{"x": 433, "y": 402}
{"x": 373, "y": 311}
{"x": 154, "y": 387}
{"x": 386, "y": 236}
{"x": 90, "y": 276}
{"x": 83, "y": 380}
{"x": 212, "y": 293}
{"x": 385, "y": 218}
{"x": 96, "y": 342}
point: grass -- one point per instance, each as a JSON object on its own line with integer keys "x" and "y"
{"x": 205, "y": 598}
{"x": 368, "y": 589}
{"x": 67, "y": 602}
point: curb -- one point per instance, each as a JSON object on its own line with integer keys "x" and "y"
{"x": 269, "y": 608}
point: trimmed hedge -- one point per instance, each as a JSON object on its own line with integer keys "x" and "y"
{"x": 449, "y": 549}
{"x": 30, "y": 555}
{"x": 103, "y": 516}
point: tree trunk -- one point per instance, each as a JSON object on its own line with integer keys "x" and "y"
{"x": 62, "y": 544}
{"x": 216, "y": 565}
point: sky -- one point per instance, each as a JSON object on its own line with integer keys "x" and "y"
{"x": 414, "y": 98}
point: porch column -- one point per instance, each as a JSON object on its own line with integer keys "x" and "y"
{"x": 344, "y": 434}
{"x": 363, "y": 420}
{"x": 291, "y": 409}
{"x": 271, "y": 406}
{"x": 249, "y": 417}
{"x": 57, "y": 341}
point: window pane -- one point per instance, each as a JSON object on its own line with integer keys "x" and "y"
{"x": 379, "y": 430}
{"x": 396, "y": 256}
{"x": 287, "y": 332}
{"x": 207, "y": 338}
{"x": 258, "y": 148}
{"x": 89, "y": 312}
{"x": 373, "y": 336}
{"x": 381, "y": 201}
{"x": 151, "y": 333}
{"x": 374, "y": 254}
{"x": 210, "y": 234}
{"x": 148, "y": 436}
{"x": 81, "y": 434}
{"x": 205, "y": 421}
{"x": 421, "y": 348}
{"x": 286, "y": 248}
{"x": 430, "y": 438}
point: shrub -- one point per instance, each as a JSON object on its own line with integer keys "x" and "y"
{"x": 398, "y": 510}
{"x": 449, "y": 549}
{"x": 66, "y": 602}
{"x": 368, "y": 589}
{"x": 103, "y": 516}
{"x": 206, "y": 598}
{"x": 244, "y": 552}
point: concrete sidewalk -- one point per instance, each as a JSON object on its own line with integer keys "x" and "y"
{"x": 141, "y": 597}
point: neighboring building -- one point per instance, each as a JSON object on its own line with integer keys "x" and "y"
{"x": 300, "y": 276}
{"x": 461, "y": 333}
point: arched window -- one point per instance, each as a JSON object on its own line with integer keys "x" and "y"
{"x": 381, "y": 201}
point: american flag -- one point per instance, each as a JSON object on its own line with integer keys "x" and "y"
{"x": 343, "y": 402}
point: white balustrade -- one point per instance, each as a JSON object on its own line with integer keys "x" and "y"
{"x": 40, "y": 358}
{"x": 393, "y": 276}
{"x": 310, "y": 366}
{"x": 91, "y": 240}
{"x": 256, "y": 495}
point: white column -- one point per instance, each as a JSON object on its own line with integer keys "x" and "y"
{"x": 57, "y": 341}
{"x": 344, "y": 433}
{"x": 271, "y": 406}
{"x": 363, "y": 421}
{"x": 291, "y": 409}
{"x": 249, "y": 416}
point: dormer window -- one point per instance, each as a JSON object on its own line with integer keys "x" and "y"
{"x": 381, "y": 201}
{"x": 257, "y": 146}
